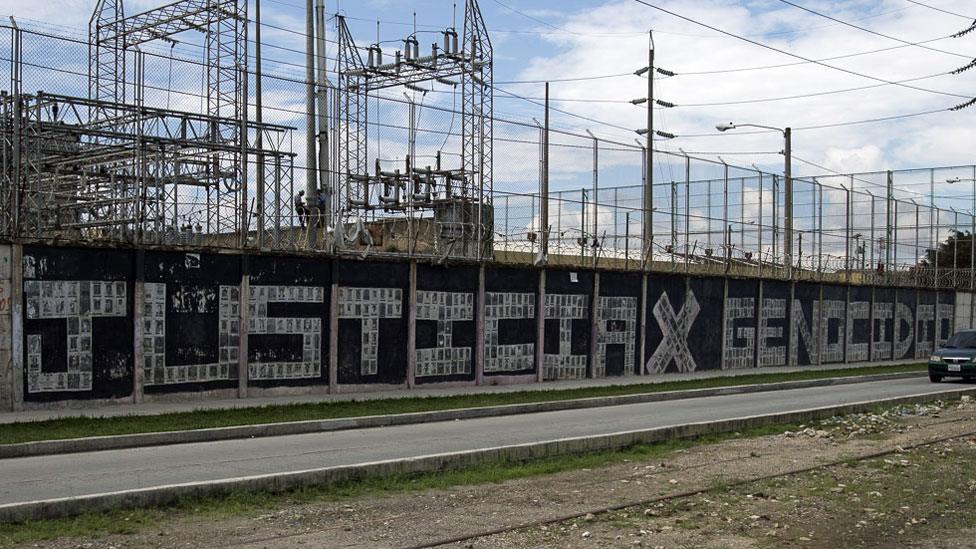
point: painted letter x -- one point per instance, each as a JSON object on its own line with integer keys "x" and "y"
{"x": 675, "y": 330}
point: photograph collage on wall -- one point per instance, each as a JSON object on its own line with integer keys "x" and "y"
{"x": 77, "y": 303}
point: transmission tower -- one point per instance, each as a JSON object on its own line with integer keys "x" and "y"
{"x": 459, "y": 196}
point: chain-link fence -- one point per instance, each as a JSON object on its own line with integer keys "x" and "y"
{"x": 147, "y": 174}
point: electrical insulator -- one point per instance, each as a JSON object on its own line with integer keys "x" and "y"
{"x": 411, "y": 49}
{"x": 375, "y": 56}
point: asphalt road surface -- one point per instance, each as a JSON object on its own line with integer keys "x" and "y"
{"x": 58, "y": 476}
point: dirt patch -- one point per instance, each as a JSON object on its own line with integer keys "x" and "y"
{"x": 833, "y": 506}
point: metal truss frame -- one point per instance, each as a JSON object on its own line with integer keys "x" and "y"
{"x": 462, "y": 195}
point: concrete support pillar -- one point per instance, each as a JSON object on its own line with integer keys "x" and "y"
{"x": 791, "y": 356}
{"x": 818, "y": 322}
{"x": 245, "y": 314}
{"x": 17, "y": 326}
{"x": 594, "y": 321}
{"x": 333, "y": 335}
{"x": 760, "y": 340}
{"x": 412, "y": 327}
{"x": 871, "y": 320}
{"x": 6, "y": 334}
{"x": 725, "y": 321}
{"x": 540, "y": 327}
{"x": 138, "y": 324}
{"x": 479, "y": 329}
{"x": 642, "y": 325}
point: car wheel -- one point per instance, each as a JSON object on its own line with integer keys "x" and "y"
{"x": 935, "y": 378}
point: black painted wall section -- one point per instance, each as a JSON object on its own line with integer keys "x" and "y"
{"x": 515, "y": 331}
{"x": 198, "y": 336}
{"x": 391, "y": 337}
{"x": 296, "y": 277}
{"x": 620, "y": 285}
{"x": 462, "y": 283}
{"x": 78, "y": 323}
{"x": 705, "y": 336}
{"x": 667, "y": 322}
{"x": 569, "y": 297}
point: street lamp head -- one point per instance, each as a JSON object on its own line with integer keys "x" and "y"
{"x": 725, "y": 127}
{"x": 953, "y": 180}
{"x": 642, "y": 131}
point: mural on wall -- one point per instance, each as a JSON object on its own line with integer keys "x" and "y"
{"x": 445, "y": 309}
{"x": 805, "y": 325}
{"x": 740, "y": 325}
{"x": 299, "y": 360}
{"x": 77, "y": 303}
{"x": 774, "y": 324}
{"x": 925, "y": 324}
{"x": 858, "y": 330}
{"x": 833, "y": 324}
{"x": 369, "y": 305}
{"x": 946, "y": 313}
{"x": 189, "y": 300}
{"x": 567, "y": 326}
{"x": 191, "y": 321}
{"x": 672, "y": 310}
{"x": 616, "y": 325}
{"x": 883, "y": 325}
{"x": 500, "y": 309}
{"x": 288, "y": 312}
{"x": 903, "y": 345}
{"x": 510, "y": 322}
{"x": 372, "y": 320}
{"x": 77, "y": 326}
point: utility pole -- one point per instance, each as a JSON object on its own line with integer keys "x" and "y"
{"x": 259, "y": 120}
{"x": 788, "y": 175}
{"x": 648, "y": 236}
{"x": 323, "y": 119}
{"x": 544, "y": 191}
{"x": 311, "y": 172}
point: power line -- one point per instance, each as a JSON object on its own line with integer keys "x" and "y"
{"x": 744, "y": 101}
{"x": 727, "y": 70}
{"x": 784, "y": 52}
{"x": 869, "y": 31}
{"x": 796, "y": 63}
{"x": 940, "y": 9}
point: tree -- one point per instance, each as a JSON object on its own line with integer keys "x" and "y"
{"x": 955, "y": 252}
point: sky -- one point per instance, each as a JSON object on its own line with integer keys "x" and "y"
{"x": 538, "y": 40}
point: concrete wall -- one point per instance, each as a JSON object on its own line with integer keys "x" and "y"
{"x": 102, "y": 325}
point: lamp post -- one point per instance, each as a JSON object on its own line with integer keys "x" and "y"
{"x": 788, "y": 176}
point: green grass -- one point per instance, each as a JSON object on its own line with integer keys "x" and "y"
{"x": 78, "y": 427}
{"x": 131, "y": 521}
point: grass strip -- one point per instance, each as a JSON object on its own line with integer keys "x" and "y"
{"x": 79, "y": 427}
{"x": 246, "y": 504}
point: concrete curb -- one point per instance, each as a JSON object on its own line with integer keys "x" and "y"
{"x": 163, "y": 495}
{"x": 118, "y": 442}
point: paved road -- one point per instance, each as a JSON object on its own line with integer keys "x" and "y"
{"x": 57, "y": 476}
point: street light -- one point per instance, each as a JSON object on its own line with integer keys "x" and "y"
{"x": 787, "y": 175}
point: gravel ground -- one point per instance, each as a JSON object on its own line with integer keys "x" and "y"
{"x": 919, "y": 498}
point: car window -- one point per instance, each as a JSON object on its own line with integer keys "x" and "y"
{"x": 962, "y": 340}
